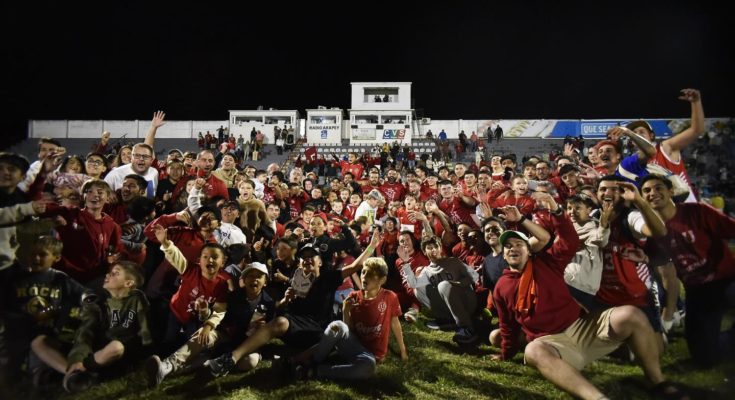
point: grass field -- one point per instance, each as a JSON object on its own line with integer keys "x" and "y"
{"x": 437, "y": 369}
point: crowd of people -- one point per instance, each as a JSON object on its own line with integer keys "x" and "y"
{"x": 156, "y": 264}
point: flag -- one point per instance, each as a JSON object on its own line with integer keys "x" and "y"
{"x": 310, "y": 154}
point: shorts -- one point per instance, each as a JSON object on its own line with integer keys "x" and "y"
{"x": 302, "y": 331}
{"x": 586, "y": 340}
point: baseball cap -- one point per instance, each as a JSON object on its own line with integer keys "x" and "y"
{"x": 255, "y": 265}
{"x": 309, "y": 248}
{"x": 15, "y": 160}
{"x": 637, "y": 124}
{"x": 512, "y": 234}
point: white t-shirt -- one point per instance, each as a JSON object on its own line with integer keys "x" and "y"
{"x": 116, "y": 177}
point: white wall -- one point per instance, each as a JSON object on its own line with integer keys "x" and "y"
{"x": 137, "y": 129}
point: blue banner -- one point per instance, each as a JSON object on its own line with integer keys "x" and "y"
{"x": 595, "y": 129}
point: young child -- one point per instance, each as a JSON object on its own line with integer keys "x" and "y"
{"x": 118, "y": 320}
{"x": 200, "y": 288}
{"x": 361, "y": 338}
{"x": 44, "y": 309}
{"x": 249, "y": 307}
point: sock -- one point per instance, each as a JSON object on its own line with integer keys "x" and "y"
{"x": 90, "y": 364}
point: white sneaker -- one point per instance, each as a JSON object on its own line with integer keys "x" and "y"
{"x": 411, "y": 315}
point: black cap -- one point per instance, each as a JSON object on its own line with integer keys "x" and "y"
{"x": 16, "y": 160}
{"x": 309, "y": 248}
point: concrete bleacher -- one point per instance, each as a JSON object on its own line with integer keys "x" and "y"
{"x": 520, "y": 147}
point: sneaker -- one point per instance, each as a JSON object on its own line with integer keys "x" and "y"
{"x": 77, "y": 381}
{"x": 304, "y": 372}
{"x": 156, "y": 370}
{"x": 441, "y": 325}
{"x": 465, "y": 336}
{"x": 411, "y": 315}
{"x": 221, "y": 365}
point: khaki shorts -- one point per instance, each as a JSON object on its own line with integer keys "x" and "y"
{"x": 586, "y": 340}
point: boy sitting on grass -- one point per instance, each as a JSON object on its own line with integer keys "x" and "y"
{"x": 119, "y": 319}
{"x": 361, "y": 338}
{"x": 249, "y": 307}
{"x": 44, "y": 309}
{"x": 200, "y": 288}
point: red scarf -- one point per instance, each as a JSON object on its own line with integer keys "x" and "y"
{"x": 526, "y": 298}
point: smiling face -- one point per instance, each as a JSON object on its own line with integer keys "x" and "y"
{"x": 656, "y": 193}
{"x": 492, "y": 232}
{"x": 608, "y": 156}
{"x": 95, "y": 197}
{"x": 317, "y": 227}
{"x": 211, "y": 260}
{"x": 470, "y": 179}
{"x": 228, "y": 162}
{"x": 608, "y": 192}
{"x": 206, "y": 162}
{"x": 542, "y": 171}
{"x": 73, "y": 166}
{"x": 130, "y": 190}
{"x": 433, "y": 252}
{"x": 571, "y": 179}
{"x": 519, "y": 186}
{"x": 95, "y": 166}
{"x": 406, "y": 243}
{"x": 10, "y": 176}
{"x": 126, "y": 155}
{"x": 515, "y": 253}
{"x": 579, "y": 212}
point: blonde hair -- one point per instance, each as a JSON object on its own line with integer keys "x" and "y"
{"x": 377, "y": 266}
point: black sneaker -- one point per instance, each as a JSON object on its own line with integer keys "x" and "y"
{"x": 465, "y": 336}
{"x": 77, "y": 381}
{"x": 221, "y": 365}
{"x": 441, "y": 325}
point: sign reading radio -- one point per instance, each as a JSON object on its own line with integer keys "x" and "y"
{"x": 394, "y": 133}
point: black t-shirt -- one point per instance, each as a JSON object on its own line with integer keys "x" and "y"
{"x": 318, "y": 303}
{"x": 492, "y": 269}
{"x": 240, "y": 311}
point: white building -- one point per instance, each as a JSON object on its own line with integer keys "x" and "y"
{"x": 381, "y": 111}
{"x": 243, "y": 121}
{"x": 324, "y": 126}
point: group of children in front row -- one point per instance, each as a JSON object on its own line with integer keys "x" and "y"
{"x": 78, "y": 332}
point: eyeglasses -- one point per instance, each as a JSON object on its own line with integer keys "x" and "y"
{"x": 95, "y": 162}
{"x": 141, "y": 156}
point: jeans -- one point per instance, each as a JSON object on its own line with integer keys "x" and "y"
{"x": 449, "y": 302}
{"x": 359, "y": 362}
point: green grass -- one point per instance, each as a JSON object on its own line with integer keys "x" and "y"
{"x": 437, "y": 369}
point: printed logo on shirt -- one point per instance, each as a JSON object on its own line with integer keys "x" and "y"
{"x": 126, "y": 321}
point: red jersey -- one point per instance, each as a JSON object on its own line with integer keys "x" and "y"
{"x": 621, "y": 284}
{"x": 214, "y": 187}
{"x": 355, "y": 169}
{"x": 662, "y": 159}
{"x": 296, "y": 203}
{"x": 393, "y": 191}
{"x": 416, "y": 227}
{"x": 525, "y": 204}
{"x": 696, "y": 243}
{"x": 370, "y": 320}
{"x": 458, "y": 212}
{"x": 193, "y": 286}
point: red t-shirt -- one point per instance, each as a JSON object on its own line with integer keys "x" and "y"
{"x": 370, "y": 320}
{"x": 620, "y": 284}
{"x": 696, "y": 242}
{"x": 458, "y": 212}
{"x": 355, "y": 169}
{"x": 193, "y": 286}
{"x": 393, "y": 191}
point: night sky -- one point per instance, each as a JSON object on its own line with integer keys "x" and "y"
{"x": 473, "y": 61}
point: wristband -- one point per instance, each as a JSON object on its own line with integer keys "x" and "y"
{"x": 370, "y": 249}
{"x": 520, "y": 221}
{"x": 559, "y": 210}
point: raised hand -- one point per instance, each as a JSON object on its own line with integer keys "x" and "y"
{"x": 199, "y": 183}
{"x": 569, "y": 149}
{"x": 630, "y": 191}
{"x": 485, "y": 210}
{"x": 511, "y": 214}
{"x": 158, "y": 119}
{"x": 690, "y": 95}
{"x": 161, "y": 234}
{"x": 258, "y": 246}
{"x": 53, "y": 159}
{"x": 607, "y": 215}
{"x": 183, "y": 216}
{"x": 375, "y": 239}
{"x": 545, "y": 200}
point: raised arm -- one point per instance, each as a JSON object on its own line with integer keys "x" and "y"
{"x": 676, "y": 143}
{"x": 157, "y": 121}
{"x": 356, "y": 265}
{"x": 654, "y": 226}
{"x": 540, "y": 236}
